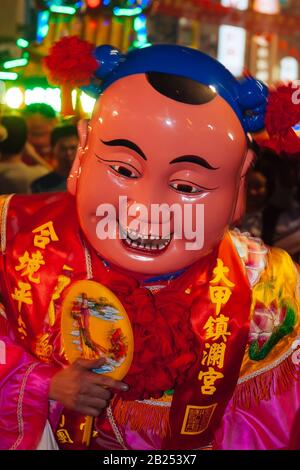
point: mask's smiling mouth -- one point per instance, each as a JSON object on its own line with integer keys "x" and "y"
{"x": 146, "y": 243}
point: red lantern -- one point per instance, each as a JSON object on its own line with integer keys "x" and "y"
{"x": 93, "y": 3}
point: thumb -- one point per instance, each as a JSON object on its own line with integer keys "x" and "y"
{"x": 90, "y": 364}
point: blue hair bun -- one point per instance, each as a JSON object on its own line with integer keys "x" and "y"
{"x": 252, "y": 93}
{"x": 108, "y": 58}
{"x": 247, "y": 97}
{"x": 253, "y": 96}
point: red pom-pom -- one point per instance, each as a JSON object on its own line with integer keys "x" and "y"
{"x": 71, "y": 62}
{"x": 283, "y": 110}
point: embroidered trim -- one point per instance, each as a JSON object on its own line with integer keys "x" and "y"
{"x": 166, "y": 404}
{"x": 20, "y": 408}
{"x": 3, "y": 219}
{"x": 115, "y": 428}
{"x": 274, "y": 364}
{"x": 88, "y": 262}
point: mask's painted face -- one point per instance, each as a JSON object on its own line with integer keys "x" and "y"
{"x": 155, "y": 150}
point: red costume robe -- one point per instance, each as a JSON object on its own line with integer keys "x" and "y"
{"x": 215, "y": 352}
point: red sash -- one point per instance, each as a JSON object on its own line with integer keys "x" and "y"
{"x": 222, "y": 330}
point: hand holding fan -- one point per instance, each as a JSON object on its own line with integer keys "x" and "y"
{"x": 94, "y": 324}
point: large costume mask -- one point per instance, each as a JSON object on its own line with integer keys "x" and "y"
{"x": 169, "y": 127}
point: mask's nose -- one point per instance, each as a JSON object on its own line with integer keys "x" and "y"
{"x": 146, "y": 218}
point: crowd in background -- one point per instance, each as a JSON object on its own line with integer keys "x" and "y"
{"x": 38, "y": 150}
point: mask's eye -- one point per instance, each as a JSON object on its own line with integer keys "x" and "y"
{"x": 186, "y": 188}
{"x": 125, "y": 171}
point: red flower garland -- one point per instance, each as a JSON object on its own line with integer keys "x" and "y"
{"x": 157, "y": 365}
{"x": 283, "y": 112}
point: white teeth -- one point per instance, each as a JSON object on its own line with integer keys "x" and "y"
{"x": 133, "y": 235}
{"x": 146, "y": 242}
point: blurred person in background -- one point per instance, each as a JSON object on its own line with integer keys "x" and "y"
{"x": 3, "y": 133}
{"x": 273, "y": 200}
{"x": 287, "y": 234}
{"x": 288, "y": 197}
{"x": 41, "y": 120}
{"x": 256, "y": 197}
{"x": 15, "y": 175}
{"x": 64, "y": 141}
{"x": 262, "y": 214}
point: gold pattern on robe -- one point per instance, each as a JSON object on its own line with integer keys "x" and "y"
{"x": 22, "y": 327}
{"x": 43, "y": 349}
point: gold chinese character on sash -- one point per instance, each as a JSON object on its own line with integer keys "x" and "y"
{"x": 219, "y": 296}
{"x": 62, "y": 434}
{"x": 30, "y": 265}
{"x": 215, "y": 355}
{"x": 22, "y": 327}
{"x": 22, "y": 294}
{"x": 64, "y": 437}
{"x": 82, "y": 426}
{"x": 44, "y": 235}
{"x": 209, "y": 377}
{"x": 217, "y": 328}
{"x": 220, "y": 272}
{"x": 62, "y": 421}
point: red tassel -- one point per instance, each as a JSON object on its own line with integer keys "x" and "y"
{"x": 66, "y": 100}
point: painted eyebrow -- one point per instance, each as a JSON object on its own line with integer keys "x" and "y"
{"x": 194, "y": 159}
{"x": 125, "y": 143}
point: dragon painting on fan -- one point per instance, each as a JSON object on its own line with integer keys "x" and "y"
{"x": 113, "y": 313}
